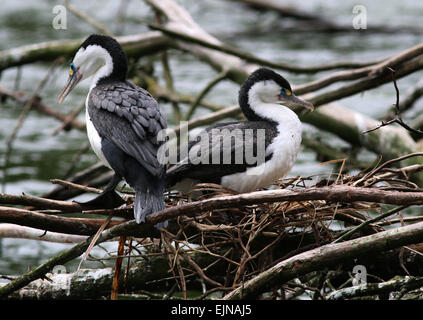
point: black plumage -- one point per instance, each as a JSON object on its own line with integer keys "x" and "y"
{"x": 129, "y": 117}
{"x": 128, "y": 120}
{"x": 211, "y": 172}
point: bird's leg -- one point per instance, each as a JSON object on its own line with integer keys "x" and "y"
{"x": 108, "y": 198}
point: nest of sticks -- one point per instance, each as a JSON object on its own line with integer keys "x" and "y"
{"x": 222, "y": 248}
{"x": 301, "y": 236}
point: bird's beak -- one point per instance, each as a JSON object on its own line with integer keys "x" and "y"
{"x": 73, "y": 80}
{"x": 294, "y": 101}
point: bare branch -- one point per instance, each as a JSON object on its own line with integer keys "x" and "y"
{"x": 327, "y": 255}
{"x": 398, "y": 118}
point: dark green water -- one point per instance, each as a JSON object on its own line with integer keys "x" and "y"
{"x": 38, "y": 156}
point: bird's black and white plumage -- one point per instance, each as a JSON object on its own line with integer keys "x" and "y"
{"x": 264, "y": 99}
{"x": 123, "y": 121}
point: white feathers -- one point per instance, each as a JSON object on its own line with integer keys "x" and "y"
{"x": 263, "y": 93}
{"x": 94, "y": 138}
{"x": 285, "y": 148}
{"x": 93, "y": 60}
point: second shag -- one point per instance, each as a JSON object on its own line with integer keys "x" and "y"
{"x": 256, "y": 152}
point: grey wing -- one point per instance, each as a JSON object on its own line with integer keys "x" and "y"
{"x": 222, "y": 150}
{"x": 129, "y": 117}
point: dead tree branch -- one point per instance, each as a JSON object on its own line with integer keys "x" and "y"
{"x": 134, "y": 45}
{"x": 368, "y": 289}
{"x": 398, "y": 117}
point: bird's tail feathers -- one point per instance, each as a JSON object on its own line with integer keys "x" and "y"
{"x": 148, "y": 201}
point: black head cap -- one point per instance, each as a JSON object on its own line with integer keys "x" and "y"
{"x": 120, "y": 61}
{"x": 261, "y": 74}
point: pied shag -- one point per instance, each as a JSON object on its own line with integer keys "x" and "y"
{"x": 264, "y": 98}
{"x": 122, "y": 121}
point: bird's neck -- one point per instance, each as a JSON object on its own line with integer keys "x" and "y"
{"x": 275, "y": 113}
{"x": 255, "y": 108}
{"x": 102, "y": 74}
{"x": 111, "y": 69}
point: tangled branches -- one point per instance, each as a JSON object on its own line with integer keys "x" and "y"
{"x": 217, "y": 239}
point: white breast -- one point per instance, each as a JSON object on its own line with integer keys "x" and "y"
{"x": 285, "y": 148}
{"x": 94, "y": 138}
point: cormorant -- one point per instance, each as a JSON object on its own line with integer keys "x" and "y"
{"x": 123, "y": 121}
{"x": 272, "y": 134}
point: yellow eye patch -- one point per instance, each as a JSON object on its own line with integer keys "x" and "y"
{"x": 288, "y": 92}
{"x": 72, "y": 69}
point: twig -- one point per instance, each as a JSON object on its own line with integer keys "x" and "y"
{"x": 367, "y": 222}
{"x": 38, "y": 105}
{"x": 172, "y": 96}
{"x": 411, "y": 96}
{"x": 120, "y": 16}
{"x": 22, "y": 117}
{"x": 370, "y": 71}
{"x": 199, "y": 270}
{"x": 69, "y": 119}
{"x": 132, "y": 228}
{"x": 96, "y": 236}
{"x": 396, "y": 60}
{"x": 359, "y": 86}
{"x": 75, "y": 186}
{"x": 18, "y": 78}
{"x": 231, "y": 111}
{"x": 99, "y": 26}
{"x": 168, "y": 76}
{"x": 288, "y": 11}
{"x": 398, "y": 118}
{"x": 76, "y": 159}
{"x": 393, "y": 221}
{"x": 221, "y": 76}
{"x": 254, "y": 59}
{"x": 384, "y": 165}
{"x": 212, "y": 290}
{"x": 91, "y": 176}
{"x": 128, "y": 264}
{"x": 118, "y": 266}
{"x": 177, "y": 261}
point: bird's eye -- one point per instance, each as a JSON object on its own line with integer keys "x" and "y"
{"x": 285, "y": 92}
{"x": 72, "y": 69}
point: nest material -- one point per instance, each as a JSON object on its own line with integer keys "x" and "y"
{"x": 244, "y": 241}
{"x": 217, "y": 240}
